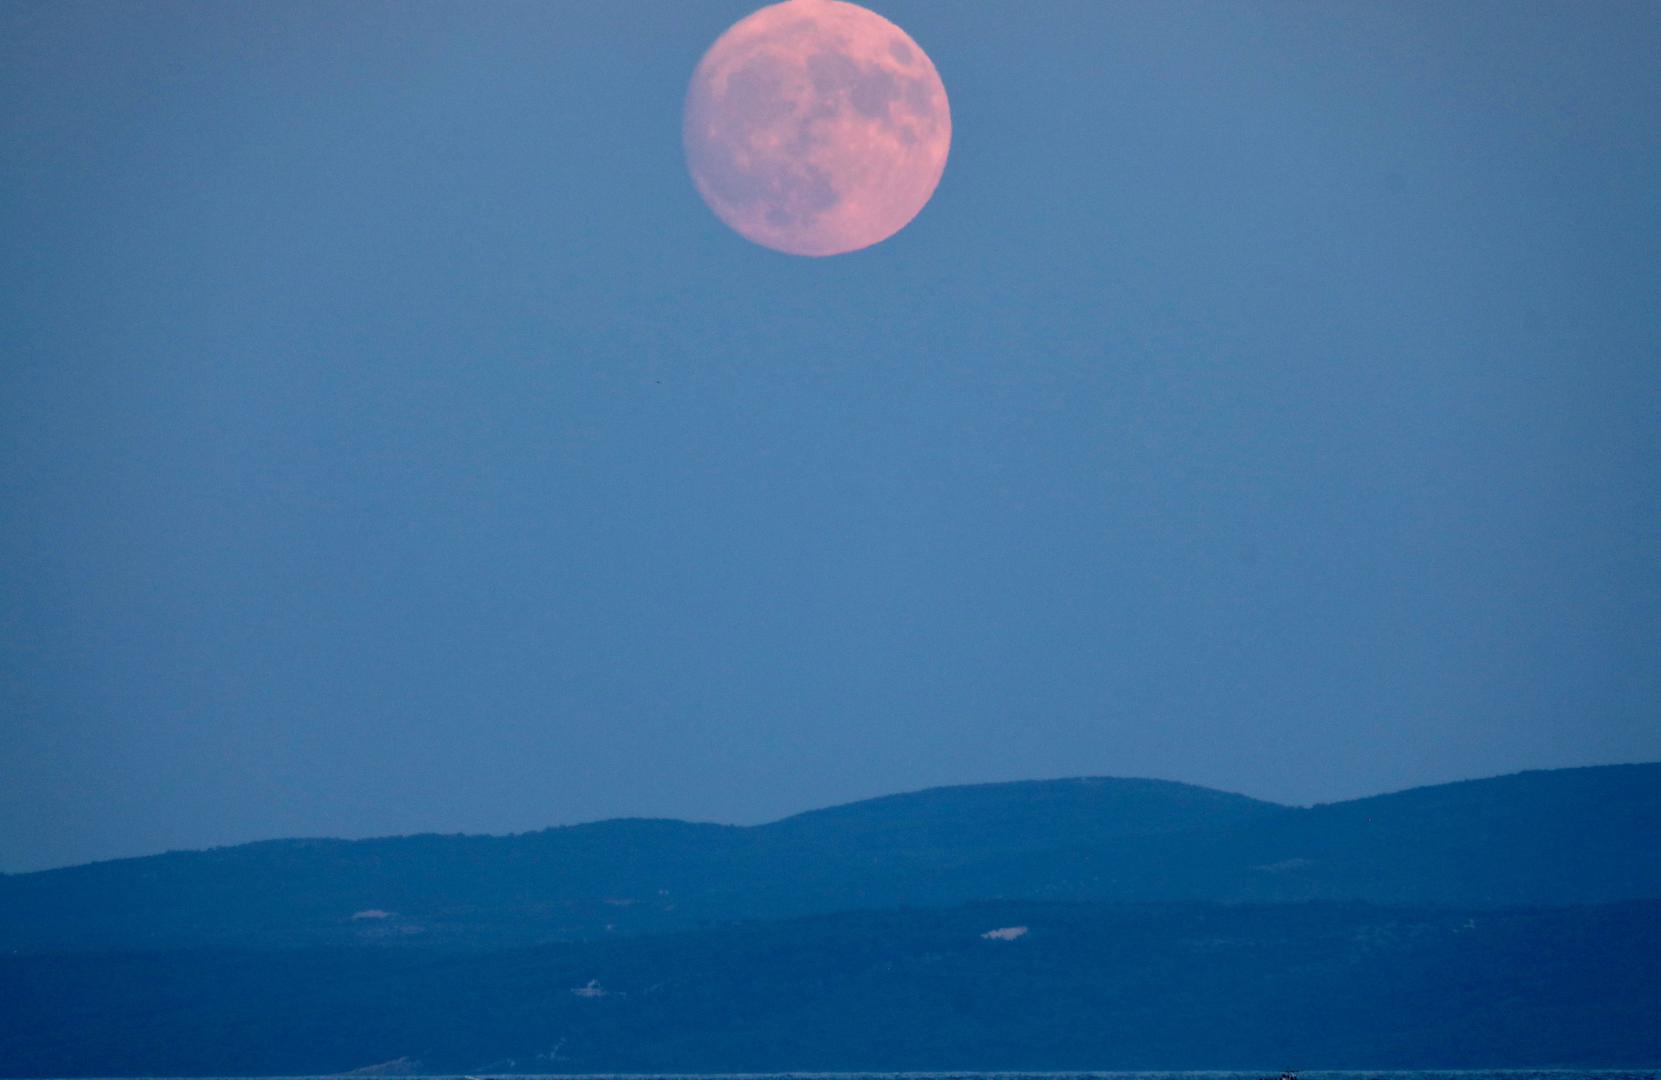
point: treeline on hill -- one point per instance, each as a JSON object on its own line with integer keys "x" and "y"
{"x": 1080, "y": 924}
{"x": 1561, "y": 837}
{"x": 1081, "y": 987}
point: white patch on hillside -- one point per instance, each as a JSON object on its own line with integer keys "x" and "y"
{"x": 1285, "y": 865}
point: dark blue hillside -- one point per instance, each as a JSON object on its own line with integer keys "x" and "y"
{"x": 624, "y": 876}
{"x": 1054, "y": 987}
{"x": 1557, "y": 837}
{"x": 1011, "y": 817}
{"x": 1567, "y": 836}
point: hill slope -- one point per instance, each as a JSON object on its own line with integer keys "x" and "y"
{"x": 627, "y": 876}
{"x": 1565, "y": 836}
{"x": 1083, "y": 987}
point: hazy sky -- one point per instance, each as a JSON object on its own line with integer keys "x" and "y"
{"x": 1270, "y": 398}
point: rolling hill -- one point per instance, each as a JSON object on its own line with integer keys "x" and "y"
{"x": 1558, "y": 837}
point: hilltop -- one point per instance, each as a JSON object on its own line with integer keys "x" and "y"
{"x": 1553, "y": 837}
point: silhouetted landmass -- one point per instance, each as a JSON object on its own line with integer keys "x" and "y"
{"x": 1559, "y": 837}
{"x": 1053, "y": 987}
{"x": 1050, "y": 925}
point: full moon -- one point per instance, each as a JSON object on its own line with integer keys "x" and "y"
{"x": 816, "y": 127}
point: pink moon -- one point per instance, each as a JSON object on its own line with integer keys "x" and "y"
{"x": 816, "y": 127}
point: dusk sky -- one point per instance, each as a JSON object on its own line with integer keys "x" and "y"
{"x": 1269, "y": 398}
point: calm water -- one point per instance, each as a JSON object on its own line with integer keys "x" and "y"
{"x": 1309, "y": 1074}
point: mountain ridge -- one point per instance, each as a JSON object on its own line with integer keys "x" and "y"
{"x": 1542, "y": 836}
{"x": 832, "y": 808}
{"x": 649, "y": 820}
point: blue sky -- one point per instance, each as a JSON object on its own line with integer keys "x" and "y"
{"x": 393, "y": 441}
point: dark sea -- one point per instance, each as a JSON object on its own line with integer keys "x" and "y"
{"x": 1647, "y": 1073}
